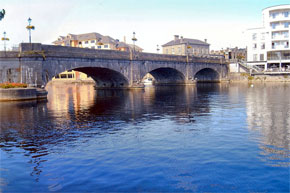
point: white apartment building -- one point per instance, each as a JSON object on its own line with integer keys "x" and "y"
{"x": 268, "y": 46}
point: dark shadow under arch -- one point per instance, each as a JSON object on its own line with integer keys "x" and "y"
{"x": 207, "y": 75}
{"x": 104, "y": 77}
{"x": 167, "y": 76}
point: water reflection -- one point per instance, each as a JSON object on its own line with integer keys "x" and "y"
{"x": 78, "y": 114}
{"x": 268, "y": 111}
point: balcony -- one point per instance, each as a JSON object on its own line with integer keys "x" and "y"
{"x": 280, "y": 37}
{"x": 278, "y": 55}
{"x": 280, "y": 47}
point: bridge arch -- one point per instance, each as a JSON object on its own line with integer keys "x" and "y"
{"x": 207, "y": 75}
{"x": 167, "y": 76}
{"x": 103, "y": 77}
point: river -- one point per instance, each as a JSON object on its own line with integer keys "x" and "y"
{"x": 204, "y": 138}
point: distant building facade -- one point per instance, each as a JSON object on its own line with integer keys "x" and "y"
{"x": 268, "y": 46}
{"x": 232, "y": 54}
{"x": 94, "y": 41}
{"x": 184, "y": 46}
{"x": 88, "y": 40}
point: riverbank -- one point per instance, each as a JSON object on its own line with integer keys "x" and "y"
{"x": 21, "y": 94}
{"x": 246, "y": 77}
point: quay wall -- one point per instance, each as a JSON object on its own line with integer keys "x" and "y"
{"x": 16, "y": 94}
{"x": 21, "y": 94}
{"x": 245, "y": 77}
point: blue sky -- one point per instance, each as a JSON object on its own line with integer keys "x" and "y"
{"x": 222, "y": 22}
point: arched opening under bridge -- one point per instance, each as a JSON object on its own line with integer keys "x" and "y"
{"x": 103, "y": 77}
{"x": 165, "y": 76}
{"x": 207, "y": 75}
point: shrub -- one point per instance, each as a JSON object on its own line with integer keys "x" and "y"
{"x": 12, "y": 85}
{"x": 250, "y": 78}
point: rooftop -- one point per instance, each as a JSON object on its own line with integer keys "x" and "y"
{"x": 181, "y": 40}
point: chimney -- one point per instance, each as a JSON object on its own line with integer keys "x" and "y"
{"x": 124, "y": 39}
{"x": 181, "y": 37}
{"x": 176, "y": 37}
{"x": 205, "y": 40}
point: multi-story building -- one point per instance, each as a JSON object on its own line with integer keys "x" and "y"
{"x": 184, "y": 46}
{"x": 268, "y": 46}
{"x": 95, "y": 41}
{"x": 88, "y": 40}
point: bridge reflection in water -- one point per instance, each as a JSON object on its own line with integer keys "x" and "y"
{"x": 196, "y": 125}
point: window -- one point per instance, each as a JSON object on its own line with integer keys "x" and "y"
{"x": 286, "y": 14}
{"x": 273, "y": 15}
{"x": 255, "y": 57}
{"x": 254, "y": 46}
{"x": 286, "y": 24}
{"x": 99, "y": 47}
{"x": 86, "y": 42}
{"x": 262, "y": 36}
{"x": 274, "y": 35}
{"x": 172, "y": 50}
{"x": 93, "y": 47}
{"x": 70, "y": 76}
{"x": 63, "y": 76}
{"x": 80, "y": 42}
{"x": 273, "y": 45}
{"x": 92, "y": 41}
{"x": 179, "y": 50}
{"x": 57, "y": 76}
{"x": 106, "y": 46}
{"x": 274, "y": 25}
{"x": 262, "y": 46}
{"x": 166, "y": 51}
{"x": 285, "y": 34}
{"x": 261, "y": 57}
{"x": 254, "y": 36}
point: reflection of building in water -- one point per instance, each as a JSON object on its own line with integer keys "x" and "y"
{"x": 268, "y": 111}
{"x": 65, "y": 97}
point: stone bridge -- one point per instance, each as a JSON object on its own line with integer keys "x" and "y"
{"x": 37, "y": 64}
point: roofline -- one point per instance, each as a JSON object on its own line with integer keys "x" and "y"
{"x": 205, "y": 44}
{"x": 274, "y": 6}
{"x": 256, "y": 28}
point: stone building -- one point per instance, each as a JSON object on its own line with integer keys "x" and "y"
{"x": 232, "y": 54}
{"x": 184, "y": 46}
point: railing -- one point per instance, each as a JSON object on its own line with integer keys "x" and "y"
{"x": 250, "y": 68}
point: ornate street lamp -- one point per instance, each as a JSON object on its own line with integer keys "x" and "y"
{"x": 157, "y": 49}
{"x": 4, "y": 39}
{"x": 30, "y": 27}
{"x": 187, "y": 52}
{"x": 134, "y": 39}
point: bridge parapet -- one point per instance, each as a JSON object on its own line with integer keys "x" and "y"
{"x": 33, "y": 50}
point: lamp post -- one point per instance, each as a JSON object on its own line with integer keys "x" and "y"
{"x": 134, "y": 39}
{"x": 30, "y": 27}
{"x": 4, "y": 39}
{"x": 187, "y": 52}
{"x": 157, "y": 49}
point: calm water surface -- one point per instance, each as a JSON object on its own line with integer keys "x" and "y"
{"x": 205, "y": 138}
